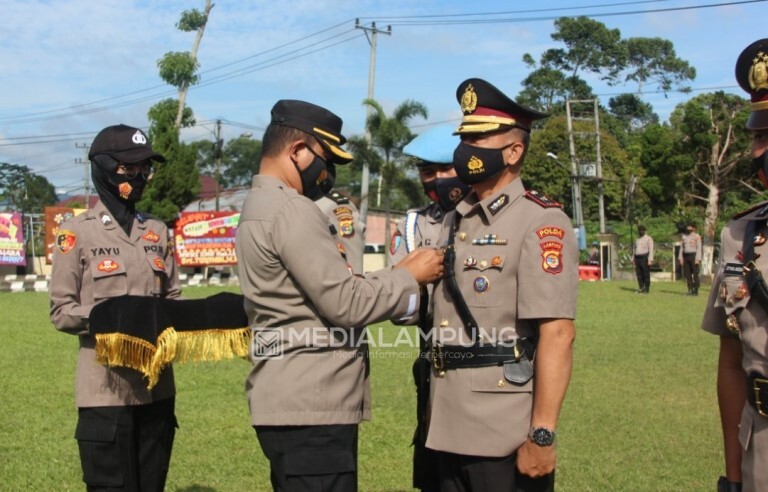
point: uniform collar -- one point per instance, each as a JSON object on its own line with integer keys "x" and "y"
{"x": 494, "y": 206}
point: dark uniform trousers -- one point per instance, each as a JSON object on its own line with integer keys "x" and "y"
{"x": 126, "y": 448}
{"x": 643, "y": 273}
{"x": 461, "y": 473}
{"x": 311, "y": 458}
{"x": 691, "y": 271}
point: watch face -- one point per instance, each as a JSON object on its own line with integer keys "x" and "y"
{"x": 542, "y": 436}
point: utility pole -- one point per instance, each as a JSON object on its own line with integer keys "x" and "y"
{"x": 217, "y": 151}
{"x": 575, "y": 176}
{"x": 87, "y": 175}
{"x": 374, "y": 31}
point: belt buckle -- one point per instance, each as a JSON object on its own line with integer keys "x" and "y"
{"x": 756, "y": 382}
{"x": 438, "y": 359}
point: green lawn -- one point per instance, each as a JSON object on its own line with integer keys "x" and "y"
{"x": 640, "y": 413}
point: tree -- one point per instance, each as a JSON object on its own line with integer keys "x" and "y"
{"x": 632, "y": 111}
{"x": 389, "y": 134}
{"x": 24, "y": 191}
{"x": 176, "y": 182}
{"x": 712, "y": 129}
{"x": 240, "y": 159}
{"x": 590, "y": 46}
{"x": 178, "y": 68}
{"x": 654, "y": 60}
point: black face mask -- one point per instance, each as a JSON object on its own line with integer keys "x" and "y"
{"x": 316, "y": 180}
{"x": 475, "y": 164}
{"x": 446, "y": 192}
{"x": 118, "y": 193}
{"x": 760, "y": 165}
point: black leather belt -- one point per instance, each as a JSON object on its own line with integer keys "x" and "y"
{"x": 457, "y": 356}
{"x": 757, "y": 393}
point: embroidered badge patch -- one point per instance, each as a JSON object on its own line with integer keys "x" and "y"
{"x": 394, "y": 243}
{"x": 552, "y": 257}
{"x": 550, "y": 231}
{"x": 108, "y": 266}
{"x": 159, "y": 263}
{"x": 65, "y": 241}
{"x": 151, "y": 236}
{"x": 346, "y": 221}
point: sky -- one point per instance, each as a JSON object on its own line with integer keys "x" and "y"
{"x": 69, "y": 68}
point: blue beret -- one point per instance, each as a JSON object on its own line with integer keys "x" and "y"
{"x": 434, "y": 146}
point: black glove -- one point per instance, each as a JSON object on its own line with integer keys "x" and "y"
{"x": 723, "y": 485}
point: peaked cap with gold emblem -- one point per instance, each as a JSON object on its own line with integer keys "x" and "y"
{"x": 752, "y": 75}
{"x": 487, "y": 109}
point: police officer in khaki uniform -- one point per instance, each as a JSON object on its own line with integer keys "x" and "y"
{"x": 737, "y": 309}
{"x": 509, "y": 291}
{"x": 124, "y": 431}
{"x": 432, "y": 152}
{"x": 690, "y": 258}
{"x": 643, "y": 259}
{"x": 306, "y": 388}
{"x": 345, "y": 220}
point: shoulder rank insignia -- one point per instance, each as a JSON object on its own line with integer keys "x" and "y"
{"x": 541, "y": 199}
{"x": 338, "y": 198}
{"x": 752, "y": 209}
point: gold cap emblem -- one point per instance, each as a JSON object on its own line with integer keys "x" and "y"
{"x": 758, "y": 72}
{"x": 468, "y": 100}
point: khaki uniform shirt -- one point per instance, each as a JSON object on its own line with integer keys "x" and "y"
{"x": 691, "y": 244}
{"x": 297, "y": 288}
{"x": 644, "y": 246}
{"x": 508, "y": 288}
{"x": 730, "y": 295}
{"x": 95, "y": 261}
{"x": 345, "y": 219}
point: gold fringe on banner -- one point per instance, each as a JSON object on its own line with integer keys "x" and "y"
{"x": 119, "y": 349}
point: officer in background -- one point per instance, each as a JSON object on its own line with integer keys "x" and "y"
{"x": 509, "y": 291}
{"x": 690, "y": 258}
{"x": 306, "y": 389}
{"x": 643, "y": 258}
{"x": 593, "y": 257}
{"x": 125, "y": 432}
{"x": 432, "y": 152}
{"x": 737, "y": 309}
{"x": 345, "y": 219}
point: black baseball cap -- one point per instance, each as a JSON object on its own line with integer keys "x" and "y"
{"x": 487, "y": 109}
{"x": 124, "y": 144}
{"x": 316, "y": 121}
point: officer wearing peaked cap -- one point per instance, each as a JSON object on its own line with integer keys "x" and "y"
{"x": 306, "y": 391}
{"x": 509, "y": 292}
{"x": 737, "y": 309}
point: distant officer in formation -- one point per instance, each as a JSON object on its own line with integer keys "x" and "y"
{"x": 593, "y": 257}
{"x": 125, "y": 432}
{"x": 643, "y": 258}
{"x": 690, "y": 258}
{"x": 432, "y": 152}
{"x": 306, "y": 389}
{"x": 509, "y": 292}
{"x": 737, "y": 309}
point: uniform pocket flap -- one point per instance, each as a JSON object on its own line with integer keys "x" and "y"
{"x": 107, "y": 267}
{"x": 97, "y": 430}
{"x": 318, "y": 462}
{"x": 493, "y": 380}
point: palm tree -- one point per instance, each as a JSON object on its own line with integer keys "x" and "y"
{"x": 388, "y": 136}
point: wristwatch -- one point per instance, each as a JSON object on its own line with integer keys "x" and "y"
{"x": 541, "y": 436}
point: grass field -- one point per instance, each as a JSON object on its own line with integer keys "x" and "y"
{"x": 640, "y": 414}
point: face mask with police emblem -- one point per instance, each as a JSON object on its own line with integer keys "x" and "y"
{"x": 446, "y": 192}
{"x": 475, "y": 164}
{"x": 316, "y": 180}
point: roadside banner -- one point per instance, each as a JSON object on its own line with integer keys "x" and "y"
{"x": 12, "y": 239}
{"x": 205, "y": 239}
